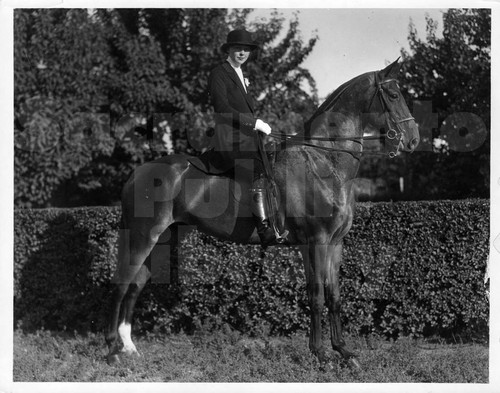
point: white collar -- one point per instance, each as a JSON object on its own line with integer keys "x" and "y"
{"x": 239, "y": 72}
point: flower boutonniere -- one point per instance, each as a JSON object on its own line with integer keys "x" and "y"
{"x": 247, "y": 82}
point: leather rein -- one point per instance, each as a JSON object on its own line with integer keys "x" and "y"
{"x": 394, "y": 133}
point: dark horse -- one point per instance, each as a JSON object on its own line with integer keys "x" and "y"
{"x": 314, "y": 179}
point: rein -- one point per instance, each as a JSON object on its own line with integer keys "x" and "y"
{"x": 299, "y": 140}
{"x": 392, "y": 134}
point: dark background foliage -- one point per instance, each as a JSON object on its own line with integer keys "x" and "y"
{"x": 410, "y": 268}
{"x": 447, "y": 83}
{"x": 98, "y": 92}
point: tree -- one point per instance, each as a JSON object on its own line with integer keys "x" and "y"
{"x": 58, "y": 75}
{"x": 446, "y": 82}
{"x": 280, "y": 81}
{"x": 97, "y": 93}
{"x": 452, "y": 74}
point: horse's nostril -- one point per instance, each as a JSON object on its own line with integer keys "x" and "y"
{"x": 414, "y": 143}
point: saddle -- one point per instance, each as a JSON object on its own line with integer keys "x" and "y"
{"x": 264, "y": 189}
{"x": 212, "y": 163}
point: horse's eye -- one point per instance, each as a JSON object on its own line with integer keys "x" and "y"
{"x": 393, "y": 95}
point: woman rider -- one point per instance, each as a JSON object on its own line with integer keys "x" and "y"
{"x": 236, "y": 126}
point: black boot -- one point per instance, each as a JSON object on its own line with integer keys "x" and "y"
{"x": 268, "y": 235}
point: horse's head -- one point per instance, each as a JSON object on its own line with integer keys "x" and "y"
{"x": 388, "y": 110}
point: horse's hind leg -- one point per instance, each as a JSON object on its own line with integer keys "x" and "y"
{"x": 133, "y": 249}
{"x": 156, "y": 267}
{"x": 128, "y": 304}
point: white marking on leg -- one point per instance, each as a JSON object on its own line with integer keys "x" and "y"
{"x": 124, "y": 331}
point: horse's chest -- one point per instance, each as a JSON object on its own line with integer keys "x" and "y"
{"x": 331, "y": 220}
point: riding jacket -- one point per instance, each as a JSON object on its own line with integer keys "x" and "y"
{"x": 234, "y": 136}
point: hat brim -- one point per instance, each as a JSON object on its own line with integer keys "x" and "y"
{"x": 225, "y": 47}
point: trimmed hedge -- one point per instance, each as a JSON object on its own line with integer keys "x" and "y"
{"x": 63, "y": 263}
{"x": 410, "y": 268}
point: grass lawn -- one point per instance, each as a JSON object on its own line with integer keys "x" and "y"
{"x": 227, "y": 356}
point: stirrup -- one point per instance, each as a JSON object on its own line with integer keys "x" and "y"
{"x": 281, "y": 237}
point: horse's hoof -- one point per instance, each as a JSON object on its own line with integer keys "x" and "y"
{"x": 354, "y": 364}
{"x": 113, "y": 359}
{"x": 130, "y": 353}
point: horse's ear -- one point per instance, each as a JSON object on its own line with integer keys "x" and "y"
{"x": 392, "y": 70}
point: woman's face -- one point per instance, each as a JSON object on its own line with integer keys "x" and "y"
{"x": 239, "y": 53}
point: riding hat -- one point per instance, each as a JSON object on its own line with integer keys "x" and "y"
{"x": 239, "y": 37}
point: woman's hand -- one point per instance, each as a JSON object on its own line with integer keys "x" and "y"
{"x": 262, "y": 127}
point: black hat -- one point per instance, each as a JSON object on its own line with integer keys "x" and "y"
{"x": 239, "y": 37}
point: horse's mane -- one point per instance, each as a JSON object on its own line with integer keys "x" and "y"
{"x": 332, "y": 99}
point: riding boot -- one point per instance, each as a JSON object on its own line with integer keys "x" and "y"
{"x": 266, "y": 232}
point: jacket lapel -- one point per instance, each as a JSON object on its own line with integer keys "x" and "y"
{"x": 236, "y": 79}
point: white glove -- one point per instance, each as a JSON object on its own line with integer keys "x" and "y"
{"x": 262, "y": 127}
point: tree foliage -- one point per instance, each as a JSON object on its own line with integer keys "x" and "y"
{"x": 60, "y": 65}
{"x": 279, "y": 77}
{"x": 458, "y": 85}
{"x": 99, "y": 92}
{"x": 447, "y": 84}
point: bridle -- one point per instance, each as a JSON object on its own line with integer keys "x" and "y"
{"x": 391, "y": 133}
{"x": 394, "y": 131}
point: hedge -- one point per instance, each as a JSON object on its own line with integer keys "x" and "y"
{"x": 410, "y": 268}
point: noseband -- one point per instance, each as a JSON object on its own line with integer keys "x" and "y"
{"x": 394, "y": 130}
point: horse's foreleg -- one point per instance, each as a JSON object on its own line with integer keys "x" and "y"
{"x": 312, "y": 255}
{"x": 332, "y": 298}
